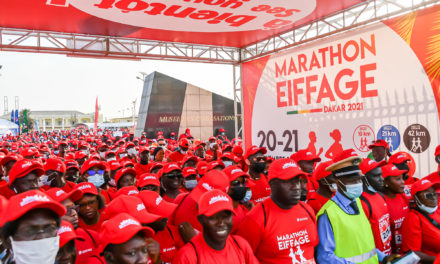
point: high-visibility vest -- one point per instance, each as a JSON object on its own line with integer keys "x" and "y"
{"x": 353, "y": 236}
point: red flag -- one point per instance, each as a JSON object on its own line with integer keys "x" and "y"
{"x": 96, "y": 114}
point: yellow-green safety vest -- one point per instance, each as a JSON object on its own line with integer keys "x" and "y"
{"x": 353, "y": 235}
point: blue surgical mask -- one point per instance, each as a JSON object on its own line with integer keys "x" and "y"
{"x": 354, "y": 191}
{"x": 97, "y": 180}
{"x": 6, "y": 178}
{"x": 247, "y": 196}
{"x": 190, "y": 184}
{"x": 227, "y": 163}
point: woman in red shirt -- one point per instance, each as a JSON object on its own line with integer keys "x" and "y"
{"x": 420, "y": 231}
{"x": 89, "y": 206}
{"x": 398, "y": 204}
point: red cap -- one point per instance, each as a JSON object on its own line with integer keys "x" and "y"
{"x": 184, "y": 143}
{"x": 399, "y": 157}
{"x": 148, "y": 179}
{"x": 437, "y": 151}
{"x": 391, "y": 170}
{"x": 214, "y": 201}
{"x": 304, "y": 154}
{"x": 253, "y": 150}
{"x": 284, "y": 169}
{"x": 87, "y": 187}
{"x": 172, "y": 134}
{"x": 320, "y": 172}
{"x": 127, "y": 190}
{"x": 22, "y": 203}
{"x": 29, "y": 152}
{"x": 55, "y": 164}
{"x": 115, "y": 165}
{"x": 238, "y": 151}
{"x": 222, "y": 130}
{"x": 60, "y": 195}
{"x": 228, "y": 155}
{"x": 379, "y": 143}
{"x": 369, "y": 164}
{"x": 234, "y": 172}
{"x": 215, "y": 163}
{"x": 170, "y": 166}
{"x": 80, "y": 155}
{"x": 156, "y": 205}
{"x": 188, "y": 158}
{"x": 71, "y": 164}
{"x": 126, "y": 163}
{"x": 212, "y": 180}
{"x": 422, "y": 185}
{"x": 88, "y": 164}
{"x": 155, "y": 165}
{"x": 121, "y": 228}
{"x": 202, "y": 167}
{"x": 66, "y": 232}
{"x": 189, "y": 171}
{"x": 131, "y": 205}
{"x": 23, "y": 167}
{"x": 345, "y": 154}
{"x": 10, "y": 157}
{"x": 124, "y": 171}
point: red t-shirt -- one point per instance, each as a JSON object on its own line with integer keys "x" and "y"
{"x": 312, "y": 185}
{"x": 261, "y": 189}
{"x": 379, "y": 220}
{"x": 418, "y": 234}
{"x": 5, "y": 191}
{"x": 176, "y": 156}
{"x": 170, "y": 242}
{"x": 238, "y": 216}
{"x": 94, "y": 227}
{"x": 281, "y": 236}
{"x": 236, "y": 251}
{"x": 398, "y": 208}
{"x": 317, "y": 201}
{"x": 141, "y": 169}
{"x": 171, "y": 200}
{"x": 85, "y": 248}
{"x": 186, "y": 212}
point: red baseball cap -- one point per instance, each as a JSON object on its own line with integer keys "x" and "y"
{"x": 189, "y": 171}
{"x": 228, "y": 155}
{"x": 55, "y": 164}
{"x": 253, "y": 150}
{"x": 126, "y": 163}
{"x": 127, "y": 190}
{"x": 234, "y": 172}
{"x": 90, "y": 164}
{"x": 23, "y": 167}
{"x": 391, "y": 170}
{"x": 121, "y": 228}
{"x": 66, "y": 232}
{"x": 284, "y": 169}
{"x": 379, "y": 143}
{"x": 222, "y": 130}
{"x": 131, "y": 205}
{"x": 369, "y": 164}
{"x": 184, "y": 143}
{"x": 202, "y": 167}
{"x": 187, "y": 158}
{"x": 423, "y": 185}
{"x": 86, "y": 187}
{"x": 437, "y": 151}
{"x": 148, "y": 179}
{"x": 211, "y": 180}
{"x": 29, "y": 152}
{"x": 80, "y": 155}
{"x": 10, "y": 157}
{"x": 170, "y": 166}
{"x": 71, "y": 164}
{"x": 156, "y": 205}
{"x": 60, "y": 195}
{"x": 304, "y": 154}
{"x": 155, "y": 165}
{"x": 399, "y": 157}
{"x": 238, "y": 151}
{"x": 214, "y": 201}
{"x": 124, "y": 171}
{"x": 320, "y": 172}
{"x": 216, "y": 163}
{"x": 22, "y": 203}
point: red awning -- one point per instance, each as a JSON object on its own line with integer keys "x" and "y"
{"x": 234, "y": 23}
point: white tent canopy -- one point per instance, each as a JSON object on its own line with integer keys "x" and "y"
{"x": 7, "y": 127}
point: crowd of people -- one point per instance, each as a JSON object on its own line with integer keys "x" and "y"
{"x": 89, "y": 197}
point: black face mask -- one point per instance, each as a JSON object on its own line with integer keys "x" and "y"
{"x": 238, "y": 193}
{"x": 258, "y": 167}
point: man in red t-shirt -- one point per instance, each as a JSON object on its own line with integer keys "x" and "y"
{"x": 306, "y": 161}
{"x": 180, "y": 153}
{"x": 282, "y": 229}
{"x": 215, "y": 244}
{"x": 374, "y": 204}
{"x": 327, "y": 186}
{"x": 143, "y": 166}
{"x": 23, "y": 177}
{"x": 255, "y": 159}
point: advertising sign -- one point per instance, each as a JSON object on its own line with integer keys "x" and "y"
{"x": 378, "y": 82}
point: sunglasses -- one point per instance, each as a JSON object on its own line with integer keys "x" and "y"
{"x": 174, "y": 175}
{"x": 430, "y": 196}
{"x": 262, "y": 158}
{"x": 92, "y": 172}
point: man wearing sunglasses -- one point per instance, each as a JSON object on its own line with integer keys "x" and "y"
{"x": 421, "y": 229}
{"x": 171, "y": 179}
{"x": 255, "y": 159}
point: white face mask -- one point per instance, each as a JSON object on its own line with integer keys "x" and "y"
{"x": 44, "y": 180}
{"x": 227, "y": 163}
{"x": 122, "y": 155}
{"x": 102, "y": 154}
{"x": 184, "y": 152}
{"x": 190, "y": 184}
{"x": 132, "y": 151}
{"x": 428, "y": 210}
{"x": 110, "y": 159}
{"x": 6, "y": 178}
{"x": 43, "y": 251}
{"x": 247, "y": 196}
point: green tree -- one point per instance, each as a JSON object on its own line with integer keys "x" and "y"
{"x": 26, "y": 123}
